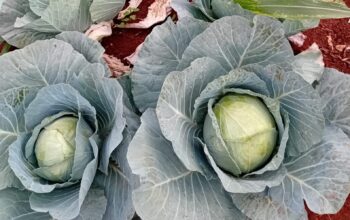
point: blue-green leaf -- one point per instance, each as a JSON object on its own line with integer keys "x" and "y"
{"x": 106, "y": 95}
{"x": 94, "y": 205}
{"x": 35, "y": 72}
{"x": 295, "y": 26}
{"x": 319, "y": 176}
{"x": 175, "y": 110}
{"x": 18, "y": 37}
{"x": 260, "y": 206}
{"x": 38, "y": 6}
{"x": 188, "y": 9}
{"x": 222, "y": 8}
{"x": 335, "y": 92}
{"x": 300, "y": 101}
{"x": 160, "y": 54}
{"x": 14, "y": 205}
{"x": 54, "y": 99}
{"x": 309, "y": 64}
{"x": 118, "y": 190}
{"x": 168, "y": 190}
{"x": 104, "y": 10}
{"x": 10, "y": 129}
{"x": 68, "y": 15}
{"x": 90, "y": 49}
{"x": 234, "y": 43}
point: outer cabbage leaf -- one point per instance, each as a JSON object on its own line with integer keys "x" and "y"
{"x": 175, "y": 108}
{"x": 160, "y": 54}
{"x": 18, "y": 37}
{"x": 235, "y": 43}
{"x": 295, "y": 26}
{"x": 309, "y": 64}
{"x": 187, "y": 9}
{"x": 209, "y": 10}
{"x": 39, "y": 6}
{"x": 106, "y": 95}
{"x": 57, "y": 98}
{"x": 120, "y": 181}
{"x": 34, "y": 72}
{"x": 90, "y": 49}
{"x": 300, "y": 101}
{"x": 103, "y": 10}
{"x": 94, "y": 205}
{"x": 10, "y": 128}
{"x": 335, "y": 92}
{"x": 260, "y": 206}
{"x": 173, "y": 191}
{"x": 68, "y": 15}
{"x": 205, "y": 7}
{"x": 25, "y": 21}
{"x": 118, "y": 190}
{"x": 14, "y": 204}
{"x": 319, "y": 176}
{"x": 222, "y": 8}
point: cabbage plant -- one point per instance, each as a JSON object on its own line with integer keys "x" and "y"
{"x": 296, "y": 15}
{"x": 64, "y": 130}
{"x": 235, "y": 126}
{"x": 24, "y": 21}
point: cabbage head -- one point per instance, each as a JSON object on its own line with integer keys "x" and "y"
{"x": 25, "y": 21}
{"x": 235, "y": 126}
{"x": 64, "y": 132}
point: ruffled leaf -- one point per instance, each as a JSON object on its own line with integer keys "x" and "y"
{"x": 175, "y": 108}
{"x": 234, "y": 42}
{"x": 160, "y": 54}
{"x": 335, "y": 92}
{"x": 14, "y": 204}
{"x": 300, "y": 101}
{"x": 94, "y": 205}
{"x": 320, "y": 176}
{"x": 104, "y": 10}
{"x": 174, "y": 192}
{"x": 106, "y": 95}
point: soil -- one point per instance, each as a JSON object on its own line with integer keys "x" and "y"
{"x": 333, "y": 38}
{"x": 123, "y": 41}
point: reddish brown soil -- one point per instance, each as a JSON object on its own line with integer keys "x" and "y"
{"x": 333, "y": 37}
{"x": 123, "y": 42}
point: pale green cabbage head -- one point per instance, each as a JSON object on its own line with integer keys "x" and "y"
{"x": 55, "y": 148}
{"x": 248, "y": 130}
